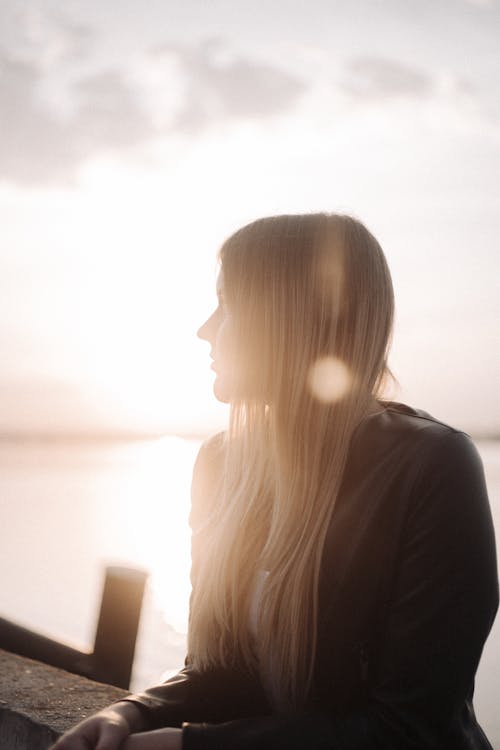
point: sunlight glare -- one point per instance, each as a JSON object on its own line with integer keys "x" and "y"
{"x": 329, "y": 379}
{"x": 155, "y": 535}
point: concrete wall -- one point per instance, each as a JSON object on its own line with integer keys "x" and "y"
{"x": 38, "y": 703}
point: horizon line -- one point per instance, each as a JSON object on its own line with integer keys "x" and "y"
{"x": 136, "y": 435}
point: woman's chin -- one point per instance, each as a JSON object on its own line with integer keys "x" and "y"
{"x": 221, "y": 391}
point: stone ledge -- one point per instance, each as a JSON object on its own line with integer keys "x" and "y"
{"x": 38, "y": 702}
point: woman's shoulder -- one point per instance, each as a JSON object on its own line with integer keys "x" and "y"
{"x": 414, "y": 441}
{"x": 403, "y": 424}
{"x": 210, "y": 459}
{"x": 207, "y": 472}
{"x": 404, "y": 417}
{"x": 421, "y": 473}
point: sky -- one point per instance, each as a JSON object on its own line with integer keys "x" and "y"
{"x": 135, "y": 137}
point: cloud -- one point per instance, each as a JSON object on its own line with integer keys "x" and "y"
{"x": 43, "y": 34}
{"x": 40, "y": 145}
{"x": 481, "y": 3}
{"x": 74, "y": 40}
{"x": 54, "y": 114}
{"x": 219, "y": 85}
{"x": 109, "y": 112}
{"x": 32, "y": 144}
{"x": 379, "y": 78}
{"x": 445, "y": 95}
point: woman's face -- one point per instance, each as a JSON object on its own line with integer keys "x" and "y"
{"x": 218, "y": 330}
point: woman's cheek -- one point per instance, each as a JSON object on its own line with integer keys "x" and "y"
{"x": 225, "y": 345}
{"x": 225, "y": 362}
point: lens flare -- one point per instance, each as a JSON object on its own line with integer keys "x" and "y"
{"x": 329, "y": 379}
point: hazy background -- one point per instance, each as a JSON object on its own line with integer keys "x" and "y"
{"x": 134, "y": 137}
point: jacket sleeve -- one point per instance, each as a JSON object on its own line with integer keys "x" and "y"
{"x": 443, "y": 602}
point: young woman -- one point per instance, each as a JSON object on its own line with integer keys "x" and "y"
{"x": 344, "y": 572}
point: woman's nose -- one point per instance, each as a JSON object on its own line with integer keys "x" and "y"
{"x": 201, "y": 331}
{"x": 205, "y": 329}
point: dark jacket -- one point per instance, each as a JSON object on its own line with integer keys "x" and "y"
{"x": 408, "y": 594}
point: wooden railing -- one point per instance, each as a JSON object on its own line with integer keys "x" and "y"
{"x": 112, "y": 657}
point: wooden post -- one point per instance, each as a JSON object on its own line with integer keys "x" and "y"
{"x": 117, "y": 625}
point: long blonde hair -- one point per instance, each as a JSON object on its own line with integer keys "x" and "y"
{"x": 312, "y": 301}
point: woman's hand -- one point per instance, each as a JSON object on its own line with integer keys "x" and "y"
{"x": 105, "y": 730}
{"x": 160, "y": 739}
